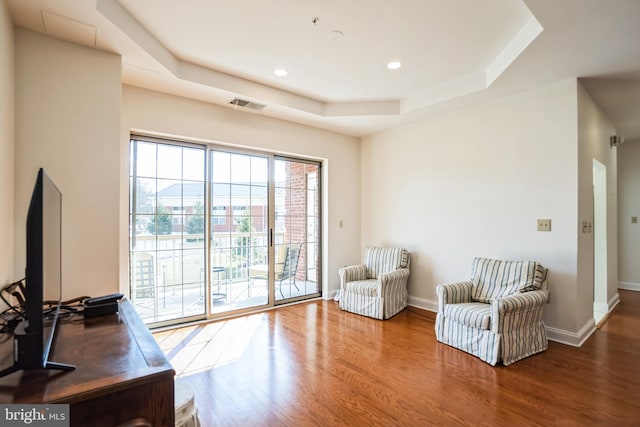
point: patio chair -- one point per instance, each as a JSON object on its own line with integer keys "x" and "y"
{"x": 289, "y": 269}
{"x": 143, "y": 275}
{"x": 286, "y": 266}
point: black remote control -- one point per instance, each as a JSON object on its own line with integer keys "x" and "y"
{"x": 104, "y": 299}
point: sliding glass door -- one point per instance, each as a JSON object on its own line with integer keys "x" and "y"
{"x": 297, "y": 229}
{"x": 215, "y": 231}
{"x": 239, "y": 230}
{"x": 166, "y": 231}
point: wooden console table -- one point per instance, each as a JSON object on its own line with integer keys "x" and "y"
{"x": 121, "y": 374}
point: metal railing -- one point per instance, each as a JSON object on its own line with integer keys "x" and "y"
{"x": 179, "y": 259}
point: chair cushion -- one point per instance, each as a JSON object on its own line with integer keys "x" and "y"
{"x": 494, "y": 278}
{"x": 383, "y": 260}
{"x": 474, "y": 314}
{"x": 363, "y": 287}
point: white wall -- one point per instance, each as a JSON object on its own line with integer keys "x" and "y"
{"x": 7, "y": 139}
{"x": 629, "y": 205}
{"x": 153, "y": 112}
{"x": 472, "y": 183}
{"x": 594, "y": 129}
{"x": 68, "y": 121}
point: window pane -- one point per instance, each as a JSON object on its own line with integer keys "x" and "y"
{"x": 169, "y": 161}
{"x": 146, "y": 159}
{"x": 221, "y": 166}
{"x": 193, "y": 164}
{"x": 145, "y": 195}
{"x": 282, "y": 173}
{"x": 240, "y": 168}
{"x": 259, "y": 171}
{"x": 297, "y": 175}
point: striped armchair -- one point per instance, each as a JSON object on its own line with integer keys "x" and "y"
{"x": 497, "y": 315}
{"x": 377, "y": 288}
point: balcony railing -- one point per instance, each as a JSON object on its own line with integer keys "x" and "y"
{"x": 179, "y": 259}
{"x": 168, "y": 274}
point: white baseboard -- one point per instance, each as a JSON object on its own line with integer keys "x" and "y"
{"x": 602, "y": 311}
{"x": 615, "y": 300}
{"x": 423, "y": 303}
{"x": 599, "y": 308}
{"x": 554, "y": 334}
{"x": 329, "y": 295}
{"x": 629, "y": 286}
{"x": 609, "y": 306}
{"x": 571, "y": 338}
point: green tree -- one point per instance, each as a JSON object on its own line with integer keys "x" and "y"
{"x": 161, "y": 222}
{"x": 244, "y": 225}
{"x": 195, "y": 225}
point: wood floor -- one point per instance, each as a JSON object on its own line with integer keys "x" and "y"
{"x": 312, "y": 364}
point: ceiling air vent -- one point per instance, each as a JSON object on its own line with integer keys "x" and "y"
{"x": 247, "y": 104}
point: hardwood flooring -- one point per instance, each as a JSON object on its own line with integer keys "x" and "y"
{"x": 313, "y": 364}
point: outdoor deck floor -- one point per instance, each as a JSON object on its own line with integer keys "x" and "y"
{"x": 226, "y": 297}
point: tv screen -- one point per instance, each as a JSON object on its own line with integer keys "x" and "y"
{"x": 44, "y": 257}
{"x": 32, "y": 340}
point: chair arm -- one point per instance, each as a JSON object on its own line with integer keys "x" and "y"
{"x": 390, "y": 283}
{"x": 517, "y": 310}
{"x": 453, "y": 293}
{"x": 351, "y": 273}
{"x": 522, "y": 301}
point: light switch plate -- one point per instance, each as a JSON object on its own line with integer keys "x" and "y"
{"x": 544, "y": 225}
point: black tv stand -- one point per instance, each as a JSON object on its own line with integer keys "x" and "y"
{"x": 59, "y": 366}
{"x": 27, "y": 352}
{"x": 49, "y": 365}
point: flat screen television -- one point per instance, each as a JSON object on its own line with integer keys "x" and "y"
{"x": 34, "y": 336}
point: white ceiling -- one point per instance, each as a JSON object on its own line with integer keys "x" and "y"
{"x": 454, "y": 52}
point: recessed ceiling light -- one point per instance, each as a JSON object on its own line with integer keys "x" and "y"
{"x": 394, "y": 65}
{"x": 280, "y": 72}
{"x": 335, "y": 34}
